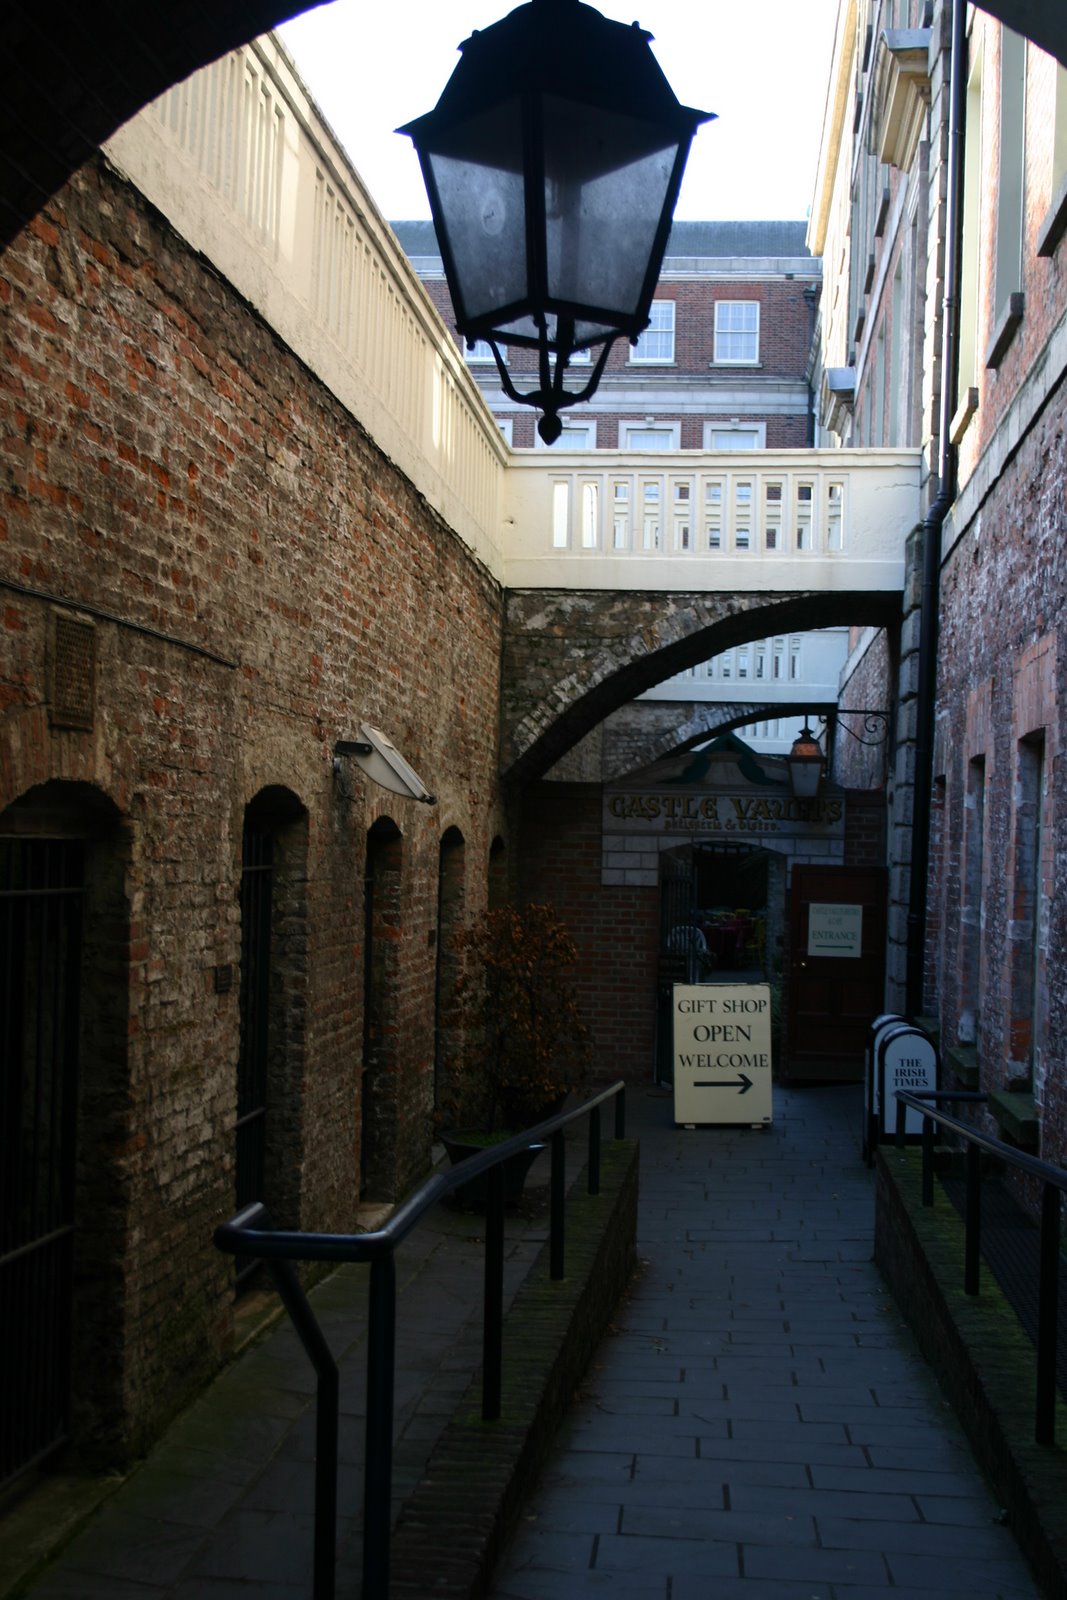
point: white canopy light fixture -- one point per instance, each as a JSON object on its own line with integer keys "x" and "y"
{"x": 379, "y": 759}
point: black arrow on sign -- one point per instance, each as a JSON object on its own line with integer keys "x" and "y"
{"x": 742, "y": 1083}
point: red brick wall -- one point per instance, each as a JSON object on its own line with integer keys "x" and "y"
{"x": 616, "y": 929}
{"x": 862, "y": 754}
{"x": 782, "y": 432}
{"x": 165, "y": 460}
{"x": 784, "y": 343}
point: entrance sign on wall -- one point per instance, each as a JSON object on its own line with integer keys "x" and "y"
{"x": 722, "y": 1053}
{"x": 835, "y": 930}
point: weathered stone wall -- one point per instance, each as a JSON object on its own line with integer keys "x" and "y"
{"x": 254, "y": 579}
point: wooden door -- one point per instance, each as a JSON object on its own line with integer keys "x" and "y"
{"x": 837, "y": 925}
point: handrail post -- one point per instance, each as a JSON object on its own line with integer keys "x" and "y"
{"x": 928, "y": 1160}
{"x": 593, "y": 1185}
{"x": 1047, "y": 1307}
{"x": 973, "y": 1240}
{"x": 558, "y": 1199}
{"x": 493, "y": 1310}
{"x": 620, "y": 1114}
{"x": 901, "y": 1126}
{"x": 378, "y": 1452}
{"x": 312, "y": 1338}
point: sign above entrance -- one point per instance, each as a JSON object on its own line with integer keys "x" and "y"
{"x": 835, "y": 930}
{"x": 725, "y": 795}
{"x": 729, "y": 815}
{"x": 722, "y": 1053}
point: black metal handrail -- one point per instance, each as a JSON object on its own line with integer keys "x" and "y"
{"x": 1053, "y": 1182}
{"x": 250, "y": 1233}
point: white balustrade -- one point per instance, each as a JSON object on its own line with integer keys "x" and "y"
{"x": 772, "y": 520}
{"x": 239, "y": 160}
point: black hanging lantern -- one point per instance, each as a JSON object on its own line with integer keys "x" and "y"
{"x": 552, "y": 162}
{"x": 805, "y": 763}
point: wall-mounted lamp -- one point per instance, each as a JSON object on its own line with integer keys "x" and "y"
{"x": 805, "y": 763}
{"x": 380, "y": 760}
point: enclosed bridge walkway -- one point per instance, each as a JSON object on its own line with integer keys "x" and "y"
{"x": 759, "y": 1424}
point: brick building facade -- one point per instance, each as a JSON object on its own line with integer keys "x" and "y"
{"x": 987, "y": 407}
{"x": 723, "y": 365}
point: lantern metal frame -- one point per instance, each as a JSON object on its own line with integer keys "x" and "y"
{"x": 805, "y": 759}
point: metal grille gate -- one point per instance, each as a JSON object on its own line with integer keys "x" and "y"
{"x": 251, "y": 1127}
{"x": 41, "y": 889}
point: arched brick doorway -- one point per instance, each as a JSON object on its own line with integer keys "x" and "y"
{"x": 270, "y": 1064}
{"x": 64, "y": 1071}
{"x": 381, "y": 976}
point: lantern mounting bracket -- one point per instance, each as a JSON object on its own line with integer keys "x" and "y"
{"x": 551, "y": 397}
{"x": 875, "y": 725}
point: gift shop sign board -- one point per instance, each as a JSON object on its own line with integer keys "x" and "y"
{"x": 722, "y": 1053}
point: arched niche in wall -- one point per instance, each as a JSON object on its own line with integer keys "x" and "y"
{"x": 383, "y": 886}
{"x": 270, "y": 1066}
{"x": 67, "y": 1181}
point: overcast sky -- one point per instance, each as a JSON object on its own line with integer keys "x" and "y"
{"x": 761, "y": 65}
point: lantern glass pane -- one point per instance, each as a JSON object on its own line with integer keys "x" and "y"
{"x": 607, "y": 180}
{"x": 523, "y": 330}
{"x": 477, "y": 167}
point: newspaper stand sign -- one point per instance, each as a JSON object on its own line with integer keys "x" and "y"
{"x": 880, "y": 1025}
{"x": 905, "y": 1057}
{"x": 722, "y": 1053}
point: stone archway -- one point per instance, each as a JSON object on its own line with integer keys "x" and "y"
{"x": 572, "y": 658}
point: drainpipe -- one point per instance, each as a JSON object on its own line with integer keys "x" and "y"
{"x": 811, "y": 299}
{"x": 929, "y": 606}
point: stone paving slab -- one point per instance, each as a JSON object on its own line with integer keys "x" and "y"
{"x": 761, "y": 1424}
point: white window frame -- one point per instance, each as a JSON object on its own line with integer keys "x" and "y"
{"x": 728, "y": 325}
{"x": 757, "y": 431}
{"x": 655, "y": 347}
{"x": 479, "y": 352}
{"x": 671, "y": 433}
{"x": 507, "y": 428}
{"x": 1011, "y": 187}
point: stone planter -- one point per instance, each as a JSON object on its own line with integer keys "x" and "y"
{"x": 473, "y": 1194}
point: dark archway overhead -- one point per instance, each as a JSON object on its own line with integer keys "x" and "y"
{"x": 74, "y": 72}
